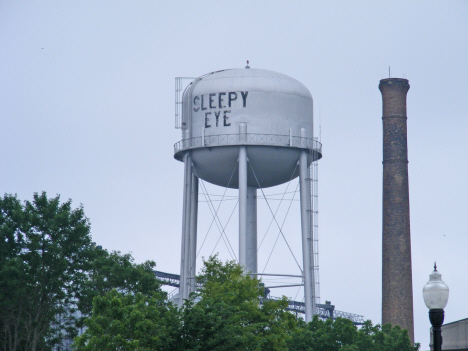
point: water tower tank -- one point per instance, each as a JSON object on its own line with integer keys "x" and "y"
{"x": 273, "y": 110}
{"x": 246, "y": 129}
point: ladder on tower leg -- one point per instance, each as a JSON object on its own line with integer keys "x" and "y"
{"x": 314, "y": 225}
{"x": 181, "y": 84}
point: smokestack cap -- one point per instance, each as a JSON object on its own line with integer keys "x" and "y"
{"x": 394, "y": 83}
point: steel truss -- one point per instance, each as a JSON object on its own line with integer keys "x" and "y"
{"x": 324, "y": 311}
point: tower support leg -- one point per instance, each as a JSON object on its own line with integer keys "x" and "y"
{"x": 251, "y": 235}
{"x": 307, "y": 242}
{"x": 193, "y": 234}
{"x": 243, "y": 206}
{"x": 185, "y": 247}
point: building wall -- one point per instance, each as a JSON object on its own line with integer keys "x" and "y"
{"x": 454, "y": 336}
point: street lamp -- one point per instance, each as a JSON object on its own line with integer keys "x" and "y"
{"x": 435, "y": 294}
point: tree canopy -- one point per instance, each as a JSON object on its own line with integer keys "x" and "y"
{"x": 50, "y": 272}
{"x": 227, "y": 313}
{"x": 130, "y": 322}
{"x": 341, "y": 334}
{"x": 114, "y": 270}
{"x": 45, "y": 251}
{"x": 55, "y": 280}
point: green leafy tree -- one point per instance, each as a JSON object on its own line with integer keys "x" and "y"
{"x": 50, "y": 270}
{"x": 45, "y": 251}
{"x": 118, "y": 271}
{"x": 226, "y": 313}
{"x": 124, "y": 307}
{"x": 385, "y": 338}
{"x": 131, "y": 322}
{"x": 341, "y": 334}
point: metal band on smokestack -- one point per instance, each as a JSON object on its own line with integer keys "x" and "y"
{"x": 397, "y": 288}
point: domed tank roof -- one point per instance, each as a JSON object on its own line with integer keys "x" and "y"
{"x": 268, "y": 102}
{"x": 260, "y": 80}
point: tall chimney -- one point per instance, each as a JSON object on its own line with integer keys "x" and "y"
{"x": 397, "y": 286}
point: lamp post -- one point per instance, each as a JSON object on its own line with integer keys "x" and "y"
{"x": 435, "y": 294}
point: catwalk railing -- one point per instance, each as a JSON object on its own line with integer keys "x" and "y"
{"x": 248, "y": 139}
{"x": 324, "y": 311}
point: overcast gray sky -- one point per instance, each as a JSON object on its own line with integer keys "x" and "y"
{"x": 87, "y": 112}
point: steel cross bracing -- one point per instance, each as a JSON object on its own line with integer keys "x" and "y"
{"x": 324, "y": 311}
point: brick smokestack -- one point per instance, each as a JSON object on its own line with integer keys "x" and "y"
{"x": 397, "y": 285}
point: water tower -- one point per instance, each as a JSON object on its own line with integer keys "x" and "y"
{"x": 246, "y": 129}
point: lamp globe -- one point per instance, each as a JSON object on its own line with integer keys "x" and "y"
{"x": 435, "y": 292}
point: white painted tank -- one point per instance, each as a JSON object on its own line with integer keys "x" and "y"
{"x": 276, "y": 110}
